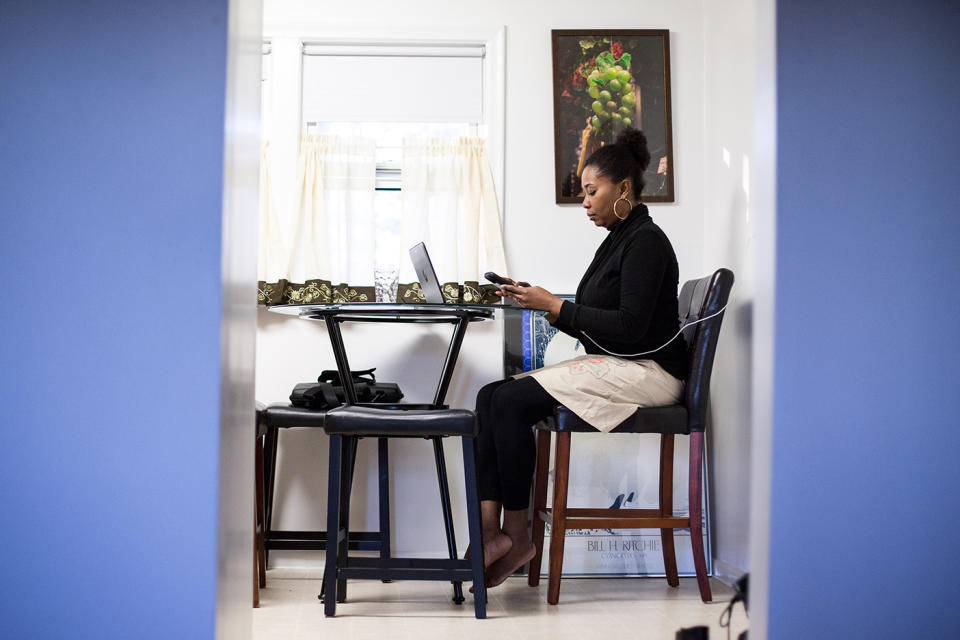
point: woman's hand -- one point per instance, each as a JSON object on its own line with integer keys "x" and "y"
{"x": 533, "y": 298}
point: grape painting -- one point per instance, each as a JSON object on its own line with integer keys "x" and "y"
{"x": 604, "y": 82}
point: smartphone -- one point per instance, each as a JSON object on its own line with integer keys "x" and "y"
{"x": 495, "y": 279}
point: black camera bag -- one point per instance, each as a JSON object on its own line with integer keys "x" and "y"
{"x": 328, "y": 392}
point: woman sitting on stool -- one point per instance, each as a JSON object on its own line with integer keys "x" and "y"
{"x": 625, "y": 312}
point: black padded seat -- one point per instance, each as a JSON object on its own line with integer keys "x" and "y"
{"x": 670, "y": 419}
{"x": 367, "y": 421}
{"x": 261, "y": 427}
{"x": 285, "y": 416}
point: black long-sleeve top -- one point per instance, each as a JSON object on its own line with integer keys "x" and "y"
{"x": 627, "y": 299}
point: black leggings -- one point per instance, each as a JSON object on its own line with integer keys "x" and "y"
{"x": 506, "y": 451}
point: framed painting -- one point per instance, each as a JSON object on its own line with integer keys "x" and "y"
{"x": 603, "y": 82}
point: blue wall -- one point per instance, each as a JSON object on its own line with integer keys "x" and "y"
{"x": 112, "y": 116}
{"x": 866, "y": 442}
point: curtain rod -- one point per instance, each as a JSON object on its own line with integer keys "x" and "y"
{"x": 387, "y": 50}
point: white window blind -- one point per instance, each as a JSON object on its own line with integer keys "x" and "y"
{"x": 392, "y": 83}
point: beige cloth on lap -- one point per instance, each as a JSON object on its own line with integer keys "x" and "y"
{"x": 606, "y": 390}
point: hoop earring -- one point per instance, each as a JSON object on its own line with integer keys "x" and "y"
{"x": 619, "y": 217}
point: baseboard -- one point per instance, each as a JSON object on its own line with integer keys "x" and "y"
{"x": 726, "y": 573}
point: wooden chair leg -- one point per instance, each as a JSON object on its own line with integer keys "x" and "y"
{"x": 696, "y": 514}
{"x": 260, "y": 518}
{"x": 539, "y": 504}
{"x": 256, "y": 580}
{"x": 271, "y": 444}
{"x": 558, "y": 528}
{"x": 666, "y": 509}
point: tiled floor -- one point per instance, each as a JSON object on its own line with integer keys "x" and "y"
{"x": 589, "y": 608}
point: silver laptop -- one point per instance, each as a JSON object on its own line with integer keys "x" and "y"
{"x": 425, "y": 274}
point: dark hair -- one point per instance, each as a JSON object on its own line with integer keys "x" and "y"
{"x": 628, "y": 157}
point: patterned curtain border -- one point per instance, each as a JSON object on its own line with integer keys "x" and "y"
{"x": 325, "y": 292}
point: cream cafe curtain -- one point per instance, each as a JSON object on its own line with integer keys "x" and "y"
{"x": 329, "y": 238}
{"x": 324, "y": 250}
{"x": 333, "y": 235}
{"x": 274, "y": 257}
{"x": 449, "y": 202}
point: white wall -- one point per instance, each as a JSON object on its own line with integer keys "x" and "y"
{"x": 765, "y": 226}
{"x": 729, "y": 223}
{"x": 546, "y": 243}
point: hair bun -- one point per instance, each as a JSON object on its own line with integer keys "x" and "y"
{"x": 636, "y": 143}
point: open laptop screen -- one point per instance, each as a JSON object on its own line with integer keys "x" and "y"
{"x": 425, "y": 274}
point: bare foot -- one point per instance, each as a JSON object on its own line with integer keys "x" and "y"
{"x": 519, "y": 555}
{"x": 495, "y": 548}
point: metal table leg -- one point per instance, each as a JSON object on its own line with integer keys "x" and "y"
{"x": 447, "y": 512}
{"x": 383, "y": 465}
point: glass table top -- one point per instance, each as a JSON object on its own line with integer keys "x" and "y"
{"x": 397, "y": 312}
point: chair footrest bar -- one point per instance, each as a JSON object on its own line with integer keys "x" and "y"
{"x": 317, "y": 540}
{"x": 406, "y": 569}
{"x": 627, "y": 523}
{"x": 275, "y": 534}
{"x": 617, "y": 522}
{"x": 614, "y": 513}
{"x": 378, "y": 573}
{"x": 408, "y": 563}
{"x": 318, "y": 545}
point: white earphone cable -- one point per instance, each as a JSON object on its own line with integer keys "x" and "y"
{"x": 634, "y": 355}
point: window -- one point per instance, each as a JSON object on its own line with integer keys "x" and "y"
{"x": 389, "y": 92}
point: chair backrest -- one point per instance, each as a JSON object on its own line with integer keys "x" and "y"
{"x": 700, "y": 299}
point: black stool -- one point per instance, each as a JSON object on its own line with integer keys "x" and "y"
{"x": 285, "y": 416}
{"x": 345, "y": 425}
